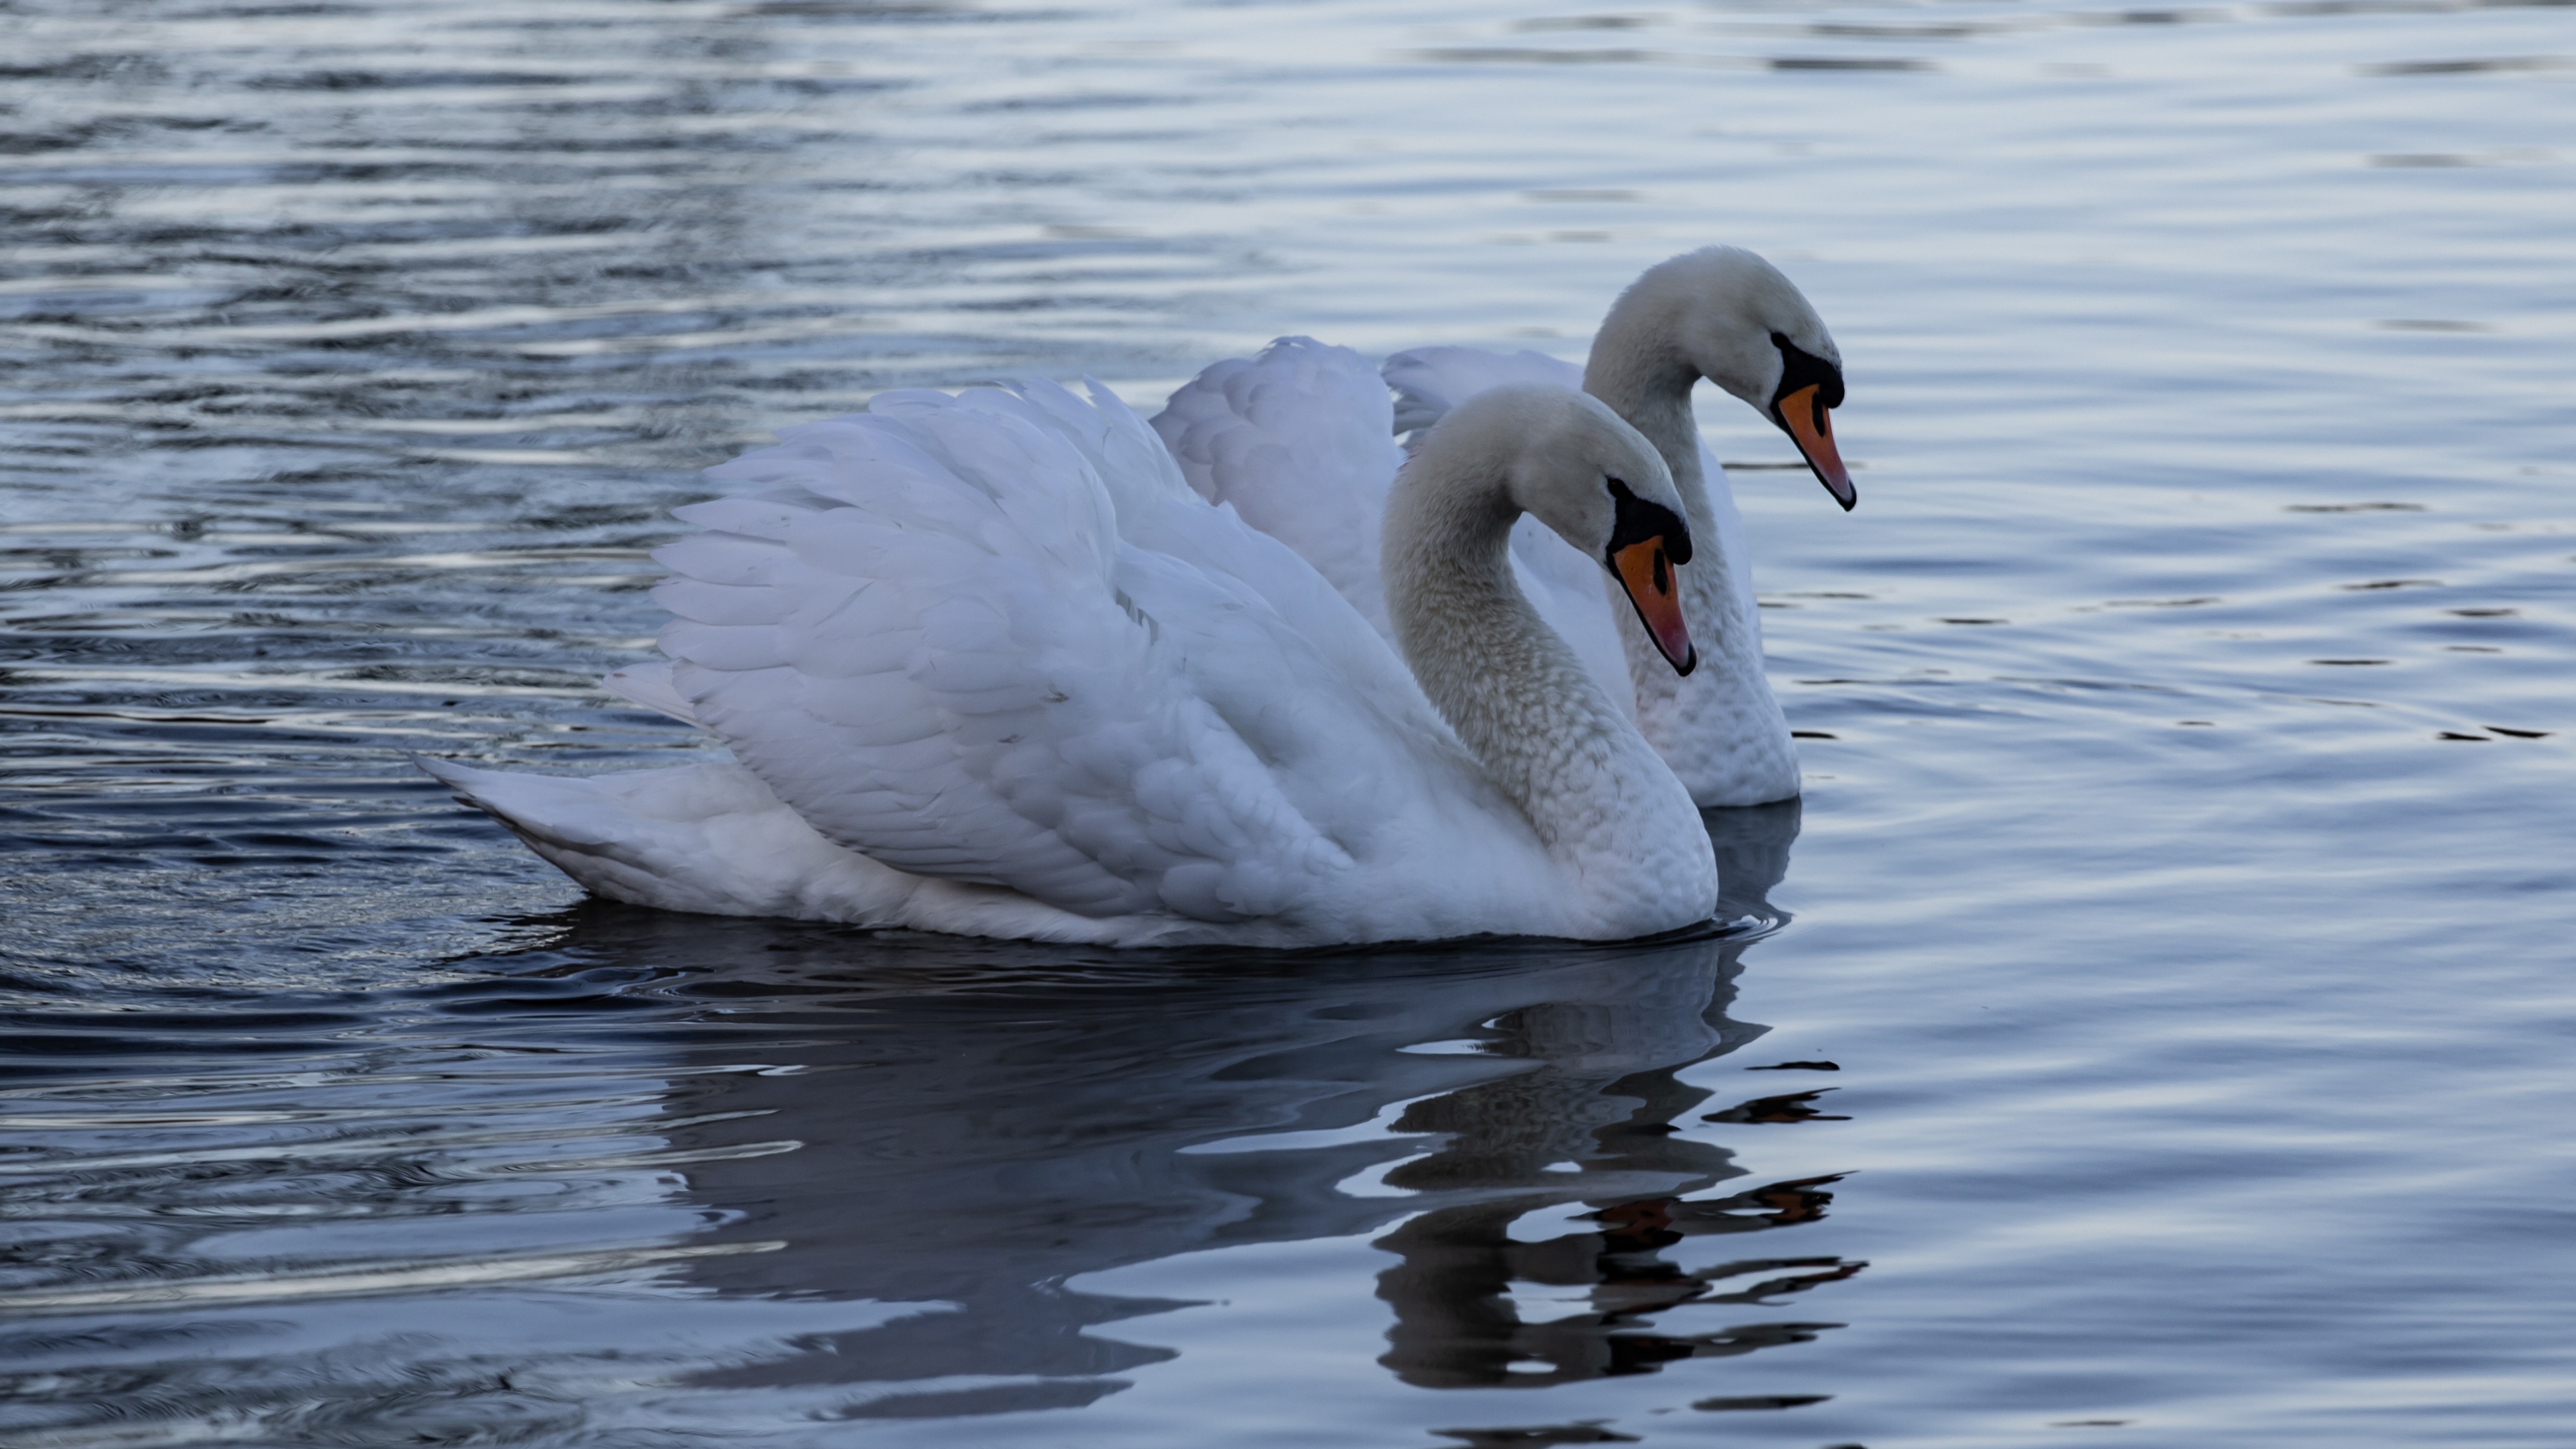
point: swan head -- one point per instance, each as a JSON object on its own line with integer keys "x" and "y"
{"x": 1579, "y": 468}
{"x": 1734, "y": 319}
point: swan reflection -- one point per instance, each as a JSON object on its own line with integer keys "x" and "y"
{"x": 981, "y": 1123}
{"x": 765, "y": 1175}
{"x": 1603, "y": 1099}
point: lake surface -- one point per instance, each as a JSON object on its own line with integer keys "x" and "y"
{"x": 2181, "y": 895}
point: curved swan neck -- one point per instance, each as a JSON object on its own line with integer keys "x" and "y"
{"x": 1639, "y": 368}
{"x": 1513, "y": 690}
{"x": 1720, "y": 729}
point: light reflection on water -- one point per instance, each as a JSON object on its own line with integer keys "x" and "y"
{"x": 2183, "y": 867}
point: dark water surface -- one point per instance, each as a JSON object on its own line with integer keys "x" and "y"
{"x": 2181, "y": 895}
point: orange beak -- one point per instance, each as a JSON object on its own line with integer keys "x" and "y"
{"x": 1646, "y": 572}
{"x": 1811, "y": 426}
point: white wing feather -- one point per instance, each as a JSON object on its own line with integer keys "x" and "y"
{"x": 1300, "y": 440}
{"x": 1429, "y": 381}
{"x": 650, "y": 686}
{"x": 922, "y": 629}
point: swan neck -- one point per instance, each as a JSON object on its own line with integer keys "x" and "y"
{"x": 1515, "y": 693}
{"x": 1639, "y": 368}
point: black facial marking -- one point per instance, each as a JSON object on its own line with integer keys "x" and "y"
{"x": 1800, "y": 369}
{"x": 1639, "y": 520}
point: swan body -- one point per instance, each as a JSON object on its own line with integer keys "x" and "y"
{"x": 1294, "y": 439}
{"x": 988, "y": 665}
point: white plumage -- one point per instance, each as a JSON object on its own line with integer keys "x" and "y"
{"x": 1297, "y": 439}
{"x": 1301, "y": 441}
{"x": 989, "y": 665}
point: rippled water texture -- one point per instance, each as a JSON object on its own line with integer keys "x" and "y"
{"x": 2180, "y": 898}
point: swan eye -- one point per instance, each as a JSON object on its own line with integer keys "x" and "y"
{"x": 1808, "y": 386}
{"x": 1641, "y": 520}
{"x": 1800, "y": 370}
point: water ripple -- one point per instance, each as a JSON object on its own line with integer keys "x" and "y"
{"x": 2195, "y": 1037}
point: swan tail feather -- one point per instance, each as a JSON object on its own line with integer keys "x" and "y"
{"x": 707, "y": 838}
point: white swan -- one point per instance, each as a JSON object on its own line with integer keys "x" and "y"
{"x": 990, "y": 667}
{"x": 1297, "y": 439}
